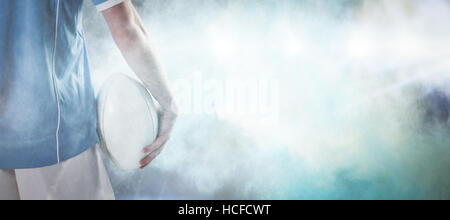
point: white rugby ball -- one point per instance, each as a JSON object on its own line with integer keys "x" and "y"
{"x": 127, "y": 120}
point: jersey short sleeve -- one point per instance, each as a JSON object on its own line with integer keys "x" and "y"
{"x": 105, "y": 4}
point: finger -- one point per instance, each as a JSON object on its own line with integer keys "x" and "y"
{"x": 147, "y": 160}
{"x": 157, "y": 144}
{"x": 153, "y": 153}
{"x": 159, "y": 149}
{"x": 165, "y": 129}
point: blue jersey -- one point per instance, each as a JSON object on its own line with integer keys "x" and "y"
{"x": 47, "y": 103}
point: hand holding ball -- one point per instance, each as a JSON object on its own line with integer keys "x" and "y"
{"x": 127, "y": 120}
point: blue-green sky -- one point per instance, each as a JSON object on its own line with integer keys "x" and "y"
{"x": 343, "y": 92}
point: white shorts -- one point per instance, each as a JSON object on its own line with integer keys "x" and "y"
{"x": 81, "y": 178}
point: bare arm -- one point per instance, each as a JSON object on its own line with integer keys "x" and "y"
{"x": 134, "y": 42}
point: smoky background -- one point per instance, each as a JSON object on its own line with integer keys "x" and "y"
{"x": 356, "y": 93}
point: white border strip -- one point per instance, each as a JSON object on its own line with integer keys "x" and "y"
{"x": 108, "y": 4}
